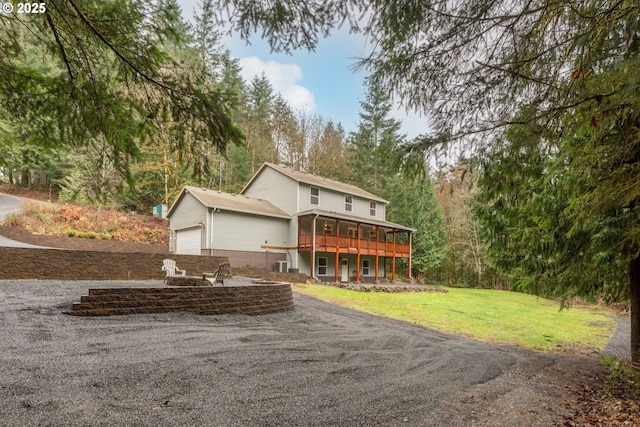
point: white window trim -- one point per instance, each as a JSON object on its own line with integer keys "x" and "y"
{"x": 368, "y": 267}
{"x": 325, "y": 266}
{"x": 348, "y": 204}
{"x": 373, "y": 208}
{"x": 311, "y": 196}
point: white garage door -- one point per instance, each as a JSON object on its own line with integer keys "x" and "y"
{"x": 188, "y": 241}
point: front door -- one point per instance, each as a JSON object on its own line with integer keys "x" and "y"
{"x": 344, "y": 270}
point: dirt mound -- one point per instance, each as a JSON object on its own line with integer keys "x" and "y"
{"x": 83, "y": 244}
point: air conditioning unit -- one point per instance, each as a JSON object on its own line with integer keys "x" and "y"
{"x": 281, "y": 266}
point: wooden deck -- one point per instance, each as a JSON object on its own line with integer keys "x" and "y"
{"x": 351, "y": 245}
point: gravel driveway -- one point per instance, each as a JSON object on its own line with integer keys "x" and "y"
{"x": 318, "y": 365}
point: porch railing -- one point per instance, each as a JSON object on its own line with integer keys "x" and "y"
{"x": 343, "y": 244}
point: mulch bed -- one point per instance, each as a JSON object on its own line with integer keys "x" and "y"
{"x": 389, "y": 288}
{"x": 80, "y": 244}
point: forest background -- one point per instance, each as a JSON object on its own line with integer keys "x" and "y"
{"x": 121, "y": 104}
{"x": 90, "y": 172}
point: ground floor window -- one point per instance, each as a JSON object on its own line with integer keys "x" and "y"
{"x": 322, "y": 266}
{"x": 365, "y": 267}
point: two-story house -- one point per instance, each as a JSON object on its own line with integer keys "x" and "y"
{"x": 288, "y": 219}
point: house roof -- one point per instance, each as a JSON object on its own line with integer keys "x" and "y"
{"x": 315, "y": 180}
{"x": 355, "y": 219}
{"x": 230, "y": 202}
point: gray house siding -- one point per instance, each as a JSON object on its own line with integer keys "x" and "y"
{"x": 244, "y": 232}
{"x": 240, "y": 237}
{"x": 276, "y": 188}
{"x": 334, "y": 201}
{"x": 188, "y": 213}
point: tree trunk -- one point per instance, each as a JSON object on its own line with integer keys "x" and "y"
{"x": 634, "y": 273}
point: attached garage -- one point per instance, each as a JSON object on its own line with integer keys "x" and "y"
{"x": 248, "y": 231}
{"x": 188, "y": 241}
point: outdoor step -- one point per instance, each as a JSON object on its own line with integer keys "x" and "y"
{"x": 158, "y": 297}
{"x": 170, "y": 299}
{"x": 187, "y": 302}
{"x": 252, "y": 300}
{"x": 125, "y": 311}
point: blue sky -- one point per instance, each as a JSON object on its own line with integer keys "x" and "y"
{"x": 321, "y": 82}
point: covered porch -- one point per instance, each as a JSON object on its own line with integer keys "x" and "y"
{"x": 338, "y": 235}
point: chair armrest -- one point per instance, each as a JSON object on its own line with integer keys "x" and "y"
{"x": 206, "y": 280}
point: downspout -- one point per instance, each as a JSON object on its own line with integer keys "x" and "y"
{"x": 410, "y": 252}
{"x": 313, "y": 248}
{"x": 335, "y": 275}
{"x": 213, "y": 210}
{"x": 393, "y": 259}
{"x": 358, "y": 248}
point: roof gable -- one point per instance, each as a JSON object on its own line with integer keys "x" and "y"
{"x": 316, "y": 181}
{"x": 231, "y": 202}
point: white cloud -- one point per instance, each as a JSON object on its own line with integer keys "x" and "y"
{"x": 413, "y": 124}
{"x": 284, "y": 78}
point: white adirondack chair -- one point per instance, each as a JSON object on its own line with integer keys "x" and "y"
{"x": 170, "y": 267}
{"x": 217, "y": 276}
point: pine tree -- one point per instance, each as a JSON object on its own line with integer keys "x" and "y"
{"x": 329, "y": 155}
{"x": 479, "y": 68}
{"x": 374, "y": 142}
{"x": 111, "y": 77}
{"x": 258, "y": 125}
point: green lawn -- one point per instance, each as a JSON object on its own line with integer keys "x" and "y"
{"x": 488, "y": 315}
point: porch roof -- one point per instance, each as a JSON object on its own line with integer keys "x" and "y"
{"x": 354, "y": 219}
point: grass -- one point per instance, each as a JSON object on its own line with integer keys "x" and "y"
{"x": 488, "y": 315}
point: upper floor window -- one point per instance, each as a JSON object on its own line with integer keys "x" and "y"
{"x": 348, "y": 202}
{"x": 315, "y": 196}
{"x": 372, "y": 208}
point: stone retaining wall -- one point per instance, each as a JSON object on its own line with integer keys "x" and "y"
{"x": 251, "y": 300}
{"x": 63, "y": 264}
{"x": 26, "y": 263}
{"x": 263, "y": 273}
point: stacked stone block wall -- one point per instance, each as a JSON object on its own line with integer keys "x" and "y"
{"x": 250, "y": 300}
{"x": 26, "y": 263}
{"x": 263, "y": 273}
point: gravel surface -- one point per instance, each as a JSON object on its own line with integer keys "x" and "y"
{"x": 318, "y": 365}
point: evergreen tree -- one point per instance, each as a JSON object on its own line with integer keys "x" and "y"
{"x": 412, "y": 201}
{"x": 111, "y": 78}
{"x": 258, "y": 125}
{"x": 329, "y": 156}
{"x": 286, "y": 135}
{"x": 413, "y": 204}
{"x": 478, "y": 67}
{"x": 375, "y": 141}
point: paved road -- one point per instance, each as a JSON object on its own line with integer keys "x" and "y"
{"x": 9, "y": 205}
